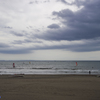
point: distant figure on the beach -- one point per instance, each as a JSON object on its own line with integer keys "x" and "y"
{"x": 89, "y": 72}
{"x": 13, "y": 65}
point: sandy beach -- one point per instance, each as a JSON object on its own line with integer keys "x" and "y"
{"x": 50, "y": 87}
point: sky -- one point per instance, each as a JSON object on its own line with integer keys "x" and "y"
{"x": 49, "y": 30}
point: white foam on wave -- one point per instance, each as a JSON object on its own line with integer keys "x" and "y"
{"x": 46, "y": 71}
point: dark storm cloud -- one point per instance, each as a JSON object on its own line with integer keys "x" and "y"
{"x": 82, "y": 24}
{"x": 53, "y": 26}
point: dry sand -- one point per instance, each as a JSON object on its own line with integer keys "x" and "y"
{"x": 50, "y": 87}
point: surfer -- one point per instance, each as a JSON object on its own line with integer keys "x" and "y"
{"x": 76, "y": 64}
{"x": 89, "y": 72}
{"x": 13, "y": 65}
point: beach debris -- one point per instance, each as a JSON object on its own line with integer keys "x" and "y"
{"x": 18, "y": 75}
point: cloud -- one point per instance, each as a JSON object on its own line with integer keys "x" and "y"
{"x": 17, "y": 34}
{"x": 53, "y": 26}
{"x": 76, "y": 46}
{"x": 31, "y": 2}
{"x": 3, "y": 45}
{"x": 82, "y": 24}
{"x": 75, "y": 2}
{"x": 8, "y": 27}
{"x": 11, "y": 49}
{"x": 25, "y": 41}
{"x": 38, "y": 1}
{"x": 65, "y": 2}
{"x": 15, "y": 51}
{"x": 87, "y": 46}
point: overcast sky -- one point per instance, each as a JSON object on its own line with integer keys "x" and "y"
{"x": 49, "y": 29}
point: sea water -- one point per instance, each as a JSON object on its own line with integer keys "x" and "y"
{"x": 50, "y": 67}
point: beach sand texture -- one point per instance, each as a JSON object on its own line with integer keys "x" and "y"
{"x": 50, "y": 87}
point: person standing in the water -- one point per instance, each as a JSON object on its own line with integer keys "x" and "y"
{"x": 89, "y": 72}
{"x": 13, "y": 65}
{"x": 76, "y": 64}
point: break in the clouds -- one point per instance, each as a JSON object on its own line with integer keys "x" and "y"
{"x": 30, "y": 25}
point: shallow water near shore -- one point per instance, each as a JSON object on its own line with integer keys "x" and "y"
{"x": 50, "y": 67}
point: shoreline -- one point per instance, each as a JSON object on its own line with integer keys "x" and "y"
{"x": 46, "y": 75}
{"x": 51, "y": 74}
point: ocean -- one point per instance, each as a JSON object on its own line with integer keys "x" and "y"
{"x": 49, "y": 67}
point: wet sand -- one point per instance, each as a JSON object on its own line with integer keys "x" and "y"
{"x": 50, "y": 87}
